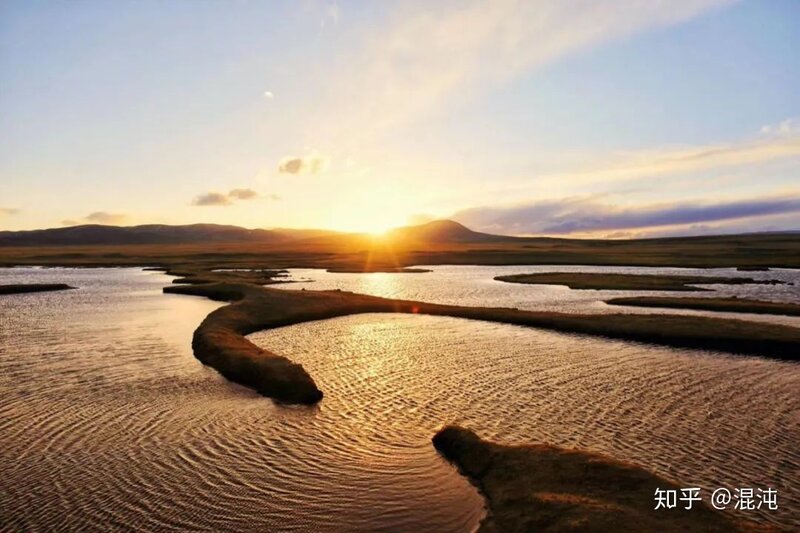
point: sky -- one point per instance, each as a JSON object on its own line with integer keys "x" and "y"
{"x": 632, "y": 118}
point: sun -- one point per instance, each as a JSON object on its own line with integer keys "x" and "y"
{"x": 374, "y": 223}
{"x": 380, "y": 230}
{"x": 372, "y": 213}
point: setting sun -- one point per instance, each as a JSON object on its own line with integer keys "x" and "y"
{"x": 377, "y": 212}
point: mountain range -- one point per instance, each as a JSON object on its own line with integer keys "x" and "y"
{"x": 440, "y": 231}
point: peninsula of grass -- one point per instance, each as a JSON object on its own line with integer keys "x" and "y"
{"x": 628, "y": 282}
{"x": 732, "y": 305}
{"x": 546, "y": 488}
{"x": 220, "y": 340}
{"x": 34, "y": 287}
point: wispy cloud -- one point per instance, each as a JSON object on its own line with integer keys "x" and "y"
{"x": 211, "y": 199}
{"x": 103, "y": 217}
{"x": 424, "y": 60}
{"x": 654, "y": 163}
{"x": 785, "y": 127}
{"x": 222, "y": 199}
{"x": 312, "y": 163}
{"x": 243, "y": 194}
{"x": 98, "y": 217}
{"x": 587, "y": 215}
{"x": 8, "y": 211}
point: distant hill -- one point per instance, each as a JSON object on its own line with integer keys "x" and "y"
{"x": 439, "y": 231}
{"x": 95, "y": 234}
{"x": 295, "y": 234}
{"x": 444, "y": 231}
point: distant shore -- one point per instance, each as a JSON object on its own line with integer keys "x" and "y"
{"x": 730, "y": 305}
{"x": 629, "y": 282}
{"x": 34, "y": 287}
{"x": 442, "y": 244}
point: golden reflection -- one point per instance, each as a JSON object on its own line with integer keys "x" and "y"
{"x": 381, "y": 255}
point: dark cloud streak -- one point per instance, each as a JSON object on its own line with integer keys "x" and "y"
{"x": 243, "y": 194}
{"x": 221, "y": 199}
{"x": 211, "y": 199}
{"x": 577, "y": 215}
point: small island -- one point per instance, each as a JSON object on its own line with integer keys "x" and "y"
{"x": 732, "y": 305}
{"x": 545, "y": 488}
{"x": 34, "y": 287}
{"x": 628, "y": 282}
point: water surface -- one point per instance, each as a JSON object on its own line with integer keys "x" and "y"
{"x": 474, "y": 285}
{"x": 108, "y": 421}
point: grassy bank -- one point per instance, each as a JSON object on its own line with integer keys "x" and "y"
{"x": 34, "y": 287}
{"x": 545, "y": 488}
{"x": 628, "y": 282}
{"x": 732, "y": 305}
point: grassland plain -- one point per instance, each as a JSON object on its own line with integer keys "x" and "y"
{"x": 359, "y": 253}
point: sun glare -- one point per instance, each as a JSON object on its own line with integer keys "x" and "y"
{"x": 373, "y": 223}
{"x": 380, "y": 230}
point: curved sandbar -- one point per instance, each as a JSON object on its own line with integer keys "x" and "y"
{"x": 730, "y": 305}
{"x": 546, "y": 488}
{"x": 219, "y": 340}
{"x": 34, "y": 287}
{"x": 628, "y": 282}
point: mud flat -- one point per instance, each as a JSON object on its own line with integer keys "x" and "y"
{"x": 34, "y": 287}
{"x": 220, "y": 340}
{"x": 546, "y": 488}
{"x": 732, "y": 305}
{"x": 628, "y": 282}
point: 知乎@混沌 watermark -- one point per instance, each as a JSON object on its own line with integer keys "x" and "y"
{"x": 742, "y": 499}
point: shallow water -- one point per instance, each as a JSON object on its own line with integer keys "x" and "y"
{"x": 474, "y": 285}
{"x": 108, "y": 421}
{"x": 702, "y": 419}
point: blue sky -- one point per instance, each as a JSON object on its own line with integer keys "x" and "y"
{"x": 622, "y": 119}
